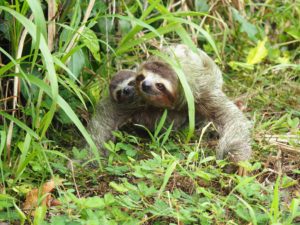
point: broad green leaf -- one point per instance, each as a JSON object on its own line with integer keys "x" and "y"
{"x": 204, "y": 175}
{"x": 294, "y": 32}
{"x": 257, "y": 54}
{"x": 94, "y": 202}
{"x": 41, "y": 26}
{"x": 90, "y": 39}
{"x": 201, "y": 5}
{"x": 118, "y": 187}
{"x": 125, "y": 27}
{"x": 247, "y": 27}
{"x": 76, "y": 63}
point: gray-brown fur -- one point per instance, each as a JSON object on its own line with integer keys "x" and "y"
{"x": 112, "y": 113}
{"x": 205, "y": 80}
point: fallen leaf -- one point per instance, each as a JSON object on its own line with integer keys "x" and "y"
{"x": 33, "y": 197}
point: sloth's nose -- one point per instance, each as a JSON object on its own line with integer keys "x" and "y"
{"x": 126, "y": 91}
{"x": 146, "y": 86}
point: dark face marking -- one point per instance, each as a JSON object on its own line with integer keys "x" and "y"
{"x": 126, "y": 94}
{"x": 131, "y": 83}
{"x": 160, "y": 86}
{"x": 119, "y": 95}
{"x": 140, "y": 78}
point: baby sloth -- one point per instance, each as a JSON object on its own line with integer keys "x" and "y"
{"x": 115, "y": 110}
{"x": 158, "y": 84}
{"x": 122, "y": 87}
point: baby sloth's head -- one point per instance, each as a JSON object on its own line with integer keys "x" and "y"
{"x": 122, "y": 87}
{"x": 158, "y": 84}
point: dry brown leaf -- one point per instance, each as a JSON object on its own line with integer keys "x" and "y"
{"x": 32, "y": 197}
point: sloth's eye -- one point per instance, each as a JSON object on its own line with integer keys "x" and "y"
{"x": 131, "y": 83}
{"x": 140, "y": 77}
{"x": 160, "y": 86}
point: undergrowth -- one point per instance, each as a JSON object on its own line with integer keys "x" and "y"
{"x": 56, "y": 69}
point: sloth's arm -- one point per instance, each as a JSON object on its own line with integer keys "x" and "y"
{"x": 232, "y": 126}
{"x": 106, "y": 119}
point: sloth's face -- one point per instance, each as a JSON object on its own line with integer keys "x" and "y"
{"x": 122, "y": 88}
{"x": 156, "y": 90}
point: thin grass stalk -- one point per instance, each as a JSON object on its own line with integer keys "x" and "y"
{"x": 194, "y": 35}
{"x": 51, "y": 23}
{"x": 80, "y": 30}
{"x": 16, "y": 90}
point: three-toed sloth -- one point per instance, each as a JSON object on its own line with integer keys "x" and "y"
{"x": 141, "y": 97}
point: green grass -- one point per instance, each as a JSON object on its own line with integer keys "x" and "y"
{"x": 161, "y": 179}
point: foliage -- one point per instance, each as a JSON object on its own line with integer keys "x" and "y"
{"x": 59, "y": 68}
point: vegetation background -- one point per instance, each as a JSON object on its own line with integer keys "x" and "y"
{"x": 56, "y": 59}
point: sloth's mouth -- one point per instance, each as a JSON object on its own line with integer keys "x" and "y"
{"x": 150, "y": 93}
{"x": 148, "y": 90}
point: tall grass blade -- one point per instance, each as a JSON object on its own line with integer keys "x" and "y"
{"x": 186, "y": 89}
{"x": 275, "y": 202}
{"x": 294, "y": 211}
{"x": 70, "y": 113}
{"x": 167, "y": 176}
{"x": 161, "y": 123}
{"x": 20, "y": 124}
{"x": 48, "y": 62}
{"x": 128, "y": 37}
{"x": 24, "y": 147}
{"x": 39, "y": 18}
{"x": 167, "y": 134}
{"x": 251, "y": 211}
{"x": 162, "y": 30}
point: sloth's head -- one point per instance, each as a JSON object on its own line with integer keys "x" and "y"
{"x": 122, "y": 87}
{"x": 158, "y": 84}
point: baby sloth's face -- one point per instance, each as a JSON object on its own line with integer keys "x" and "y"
{"x": 122, "y": 87}
{"x": 157, "y": 84}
